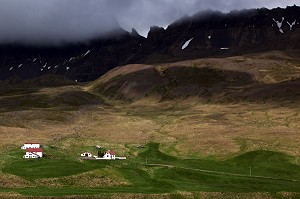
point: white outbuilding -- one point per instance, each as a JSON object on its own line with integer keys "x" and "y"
{"x": 86, "y": 154}
{"x": 29, "y": 145}
{"x": 33, "y": 153}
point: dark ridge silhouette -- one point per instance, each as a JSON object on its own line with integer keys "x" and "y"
{"x": 213, "y": 34}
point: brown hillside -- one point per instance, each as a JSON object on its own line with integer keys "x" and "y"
{"x": 254, "y": 77}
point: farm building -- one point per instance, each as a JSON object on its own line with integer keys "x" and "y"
{"x": 33, "y": 153}
{"x": 110, "y": 155}
{"x": 86, "y": 154}
{"x": 28, "y": 145}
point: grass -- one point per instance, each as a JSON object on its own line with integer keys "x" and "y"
{"x": 23, "y": 102}
{"x": 263, "y": 163}
{"x": 4, "y": 91}
{"x": 55, "y": 164}
{"x": 195, "y": 180}
{"x": 154, "y": 155}
{"x": 47, "y": 168}
{"x": 60, "y": 98}
{"x": 183, "y": 175}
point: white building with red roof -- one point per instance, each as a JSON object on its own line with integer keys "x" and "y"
{"x": 33, "y": 153}
{"x": 28, "y": 145}
{"x": 109, "y": 155}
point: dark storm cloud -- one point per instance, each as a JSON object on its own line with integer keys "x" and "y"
{"x": 53, "y": 21}
{"x": 56, "y": 21}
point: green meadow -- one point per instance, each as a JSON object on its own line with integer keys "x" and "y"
{"x": 152, "y": 172}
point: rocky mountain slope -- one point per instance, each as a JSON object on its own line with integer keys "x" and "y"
{"x": 205, "y": 34}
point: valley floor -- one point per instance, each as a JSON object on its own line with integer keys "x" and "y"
{"x": 151, "y": 172}
{"x": 194, "y": 137}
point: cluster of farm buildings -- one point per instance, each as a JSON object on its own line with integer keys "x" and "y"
{"x": 108, "y": 155}
{"x": 34, "y": 150}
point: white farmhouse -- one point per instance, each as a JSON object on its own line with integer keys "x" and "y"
{"x": 33, "y": 153}
{"x": 29, "y": 145}
{"x": 109, "y": 155}
{"x": 86, "y": 154}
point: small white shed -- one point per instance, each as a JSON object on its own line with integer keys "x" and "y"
{"x": 28, "y": 145}
{"x": 86, "y": 154}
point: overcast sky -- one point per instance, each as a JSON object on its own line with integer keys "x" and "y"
{"x": 53, "y": 21}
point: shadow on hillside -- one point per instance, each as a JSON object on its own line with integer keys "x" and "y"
{"x": 210, "y": 84}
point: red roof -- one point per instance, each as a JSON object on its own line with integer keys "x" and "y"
{"x": 34, "y": 150}
{"x": 111, "y": 152}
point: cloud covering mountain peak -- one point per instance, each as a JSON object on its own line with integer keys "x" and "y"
{"x": 57, "y": 21}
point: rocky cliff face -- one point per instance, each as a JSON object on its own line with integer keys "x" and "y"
{"x": 214, "y": 33}
{"x": 204, "y": 34}
{"x": 79, "y": 62}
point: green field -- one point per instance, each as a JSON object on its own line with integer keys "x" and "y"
{"x": 152, "y": 171}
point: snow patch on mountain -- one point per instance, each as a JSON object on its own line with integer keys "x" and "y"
{"x": 291, "y": 25}
{"x": 87, "y": 52}
{"x": 71, "y": 58}
{"x": 279, "y": 24}
{"x": 186, "y": 44}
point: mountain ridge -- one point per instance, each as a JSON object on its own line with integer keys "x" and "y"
{"x": 211, "y": 34}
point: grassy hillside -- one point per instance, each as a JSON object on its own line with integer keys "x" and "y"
{"x": 271, "y": 76}
{"x": 160, "y": 174}
{"x": 205, "y": 123}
